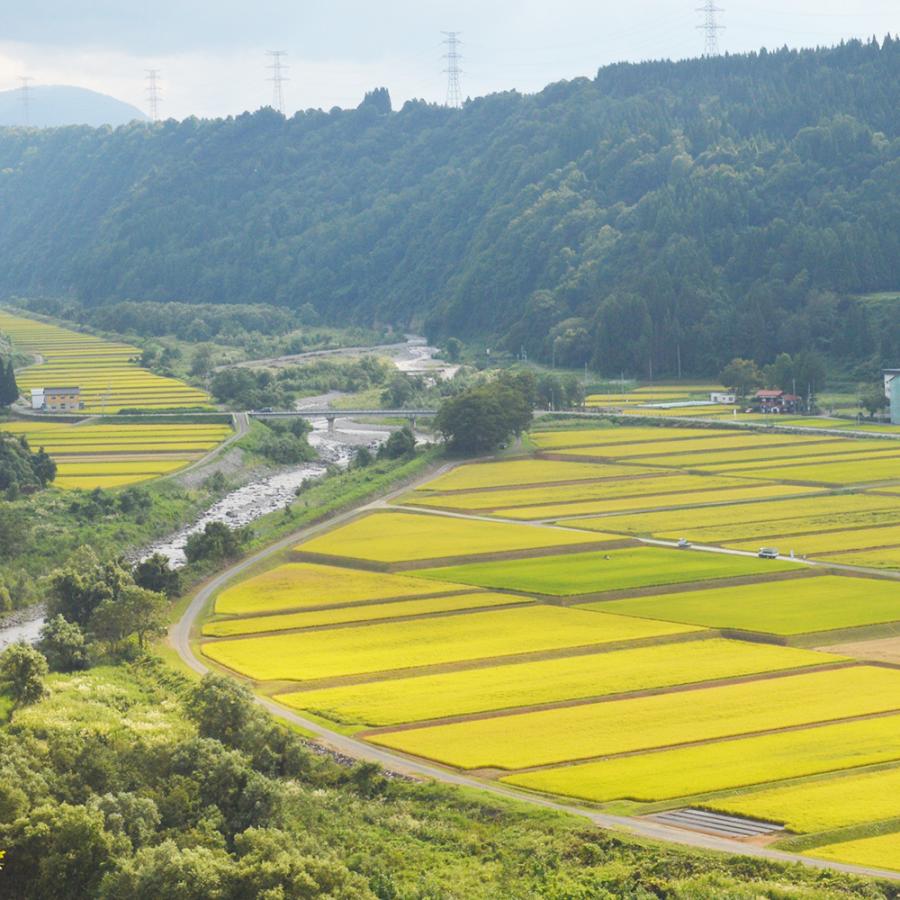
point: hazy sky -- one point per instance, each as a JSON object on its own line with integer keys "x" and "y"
{"x": 211, "y": 52}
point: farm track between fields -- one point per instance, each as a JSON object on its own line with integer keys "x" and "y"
{"x": 181, "y": 635}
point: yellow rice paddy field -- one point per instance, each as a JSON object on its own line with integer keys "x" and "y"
{"x": 105, "y": 371}
{"x": 402, "y": 537}
{"x": 89, "y": 456}
{"x": 644, "y": 723}
{"x": 822, "y": 805}
{"x": 732, "y": 764}
{"x": 547, "y": 681}
{"x": 359, "y": 612}
{"x": 310, "y": 586}
{"x": 681, "y": 682}
{"x": 385, "y": 646}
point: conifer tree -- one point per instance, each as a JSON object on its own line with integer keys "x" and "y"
{"x": 9, "y": 390}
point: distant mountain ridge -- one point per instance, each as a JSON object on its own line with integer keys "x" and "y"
{"x": 53, "y": 106}
{"x": 660, "y": 218}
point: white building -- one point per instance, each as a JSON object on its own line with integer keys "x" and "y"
{"x": 892, "y": 392}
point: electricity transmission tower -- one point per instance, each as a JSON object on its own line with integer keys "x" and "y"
{"x": 453, "y": 57}
{"x": 278, "y": 78}
{"x": 25, "y": 95}
{"x": 710, "y": 27}
{"x": 153, "y": 93}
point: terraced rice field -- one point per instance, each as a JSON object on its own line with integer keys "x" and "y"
{"x": 571, "y": 493}
{"x": 309, "y": 586}
{"x": 385, "y": 646}
{"x": 743, "y": 494}
{"x": 863, "y": 471}
{"x": 644, "y": 723}
{"x": 599, "y": 571}
{"x": 735, "y": 763}
{"x": 547, "y": 681}
{"x": 699, "y": 450}
{"x": 104, "y": 370}
{"x": 777, "y": 461}
{"x": 619, "y": 672}
{"x": 822, "y": 805}
{"x": 829, "y": 542}
{"x": 798, "y": 606}
{"x": 671, "y": 522}
{"x": 403, "y": 537}
{"x": 882, "y": 851}
{"x": 477, "y": 476}
{"x": 89, "y": 456}
{"x": 883, "y": 558}
{"x": 609, "y": 436}
{"x": 366, "y": 612}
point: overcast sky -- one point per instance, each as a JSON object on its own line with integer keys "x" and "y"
{"x": 212, "y": 52}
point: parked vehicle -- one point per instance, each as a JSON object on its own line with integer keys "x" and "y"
{"x": 683, "y": 544}
{"x": 768, "y": 553}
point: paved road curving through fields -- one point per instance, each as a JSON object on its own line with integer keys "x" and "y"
{"x": 180, "y": 638}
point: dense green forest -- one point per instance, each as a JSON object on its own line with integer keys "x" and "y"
{"x": 660, "y": 218}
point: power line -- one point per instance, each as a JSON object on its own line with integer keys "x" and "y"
{"x": 278, "y": 78}
{"x": 25, "y": 90}
{"x": 154, "y": 96}
{"x": 453, "y": 57}
{"x": 710, "y": 27}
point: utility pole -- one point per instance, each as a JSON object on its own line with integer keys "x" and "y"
{"x": 710, "y": 27}
{"x": 453, "y": 57}
{"x": 153, "y": 93}
{"x": 278, "y": 78}
{"x": 25, "y": 90}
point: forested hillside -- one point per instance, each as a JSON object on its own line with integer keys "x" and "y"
{"x": 661, "y": 217}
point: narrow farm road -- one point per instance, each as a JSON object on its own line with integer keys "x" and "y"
{"x": 180, "y": 638}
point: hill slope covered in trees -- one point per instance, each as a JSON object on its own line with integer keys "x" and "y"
{"x": 662, "y": 216}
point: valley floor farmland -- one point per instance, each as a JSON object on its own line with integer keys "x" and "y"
{"x": 105, "y": 371}
{"x": 550, "y": 684}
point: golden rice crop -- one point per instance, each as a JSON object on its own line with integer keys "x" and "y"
{"x": 614, "y": 434}
{"x": 884, "y": 558}
{"x": 865, "y": 471}
{"x": 796, "y": 606}
{"x": 822, "y": 805}
{"x": 104, "y": 370}
{"x": 778, "y": 458}
{"x": 643, "y": 723}
{"x": 107, "y": 467}
{"x": 775, "y": 510}
{"x": 89, "y": 482}
{"x": 815, "y": 544}
{"x": 359, "y": 612}
{"x": 684, "y": 453}
{"x": 519, "y": 472}
{"x": 649, "y": 501}
{"x": 685, "y": 771}
{"x": 400, "y": 700}
{"x": 574, "y": 493}
{"x": 382, "y": 646}
{"x": 91, "y": 456}
{"x": 881, "y": 851}
{"x": 396, "y": 537}
{"x": 307, "y": 585}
